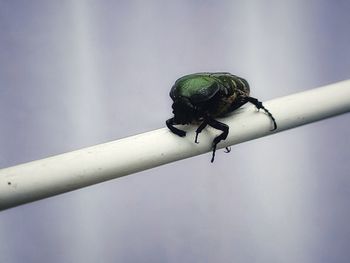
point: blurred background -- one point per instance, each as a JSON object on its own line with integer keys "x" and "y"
{"x": 79, "y": 73}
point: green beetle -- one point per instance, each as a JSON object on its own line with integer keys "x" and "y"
{"x": 201, "y": 97}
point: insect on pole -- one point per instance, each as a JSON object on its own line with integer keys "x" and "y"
{"x": 204, "y": 97}
{"x": 66, "y": 172}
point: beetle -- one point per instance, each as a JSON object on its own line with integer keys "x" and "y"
{"x": 200, "y": 98}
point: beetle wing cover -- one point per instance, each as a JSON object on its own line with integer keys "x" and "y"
{"x": 196, "y": 87}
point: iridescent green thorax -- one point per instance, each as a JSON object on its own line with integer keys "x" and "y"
{"x": 201, "y": 87}
{"x": 192, "y": 85}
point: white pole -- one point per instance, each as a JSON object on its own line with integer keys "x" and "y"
{"x": 62, "y": 173}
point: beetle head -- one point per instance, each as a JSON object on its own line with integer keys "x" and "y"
{"x": 184, "y": 111}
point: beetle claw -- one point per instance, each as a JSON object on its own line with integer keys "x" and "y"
{"x": 213, "y": 155}
{"x": 182, "y": 133}
{"x": 228, "y": 149}
{"x": 196, "y": 139}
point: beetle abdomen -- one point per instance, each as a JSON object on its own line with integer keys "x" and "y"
{"x": 232, "y": 93}
{"x": 225, "y": 105}
{"x": 234, "y": 83}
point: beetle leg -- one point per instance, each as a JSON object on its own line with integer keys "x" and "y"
{"x": 222, "y": 127}
{"x": 200, "y": 129}
{"x": 170, "y": 124}
{"x": 228, "y": 149}
{"x": 259, "y": 105}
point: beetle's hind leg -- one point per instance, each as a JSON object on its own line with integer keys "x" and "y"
{"x": 222, "y": 127}
{"x": 170, "y": 124}
{"x": 259, "y": 105}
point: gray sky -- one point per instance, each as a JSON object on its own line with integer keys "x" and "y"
{"x": 79, "y": 73}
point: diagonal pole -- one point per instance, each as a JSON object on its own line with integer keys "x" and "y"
{"x": 39, "y": 179}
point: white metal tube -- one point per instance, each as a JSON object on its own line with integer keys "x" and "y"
{"x": 62, "y": 173}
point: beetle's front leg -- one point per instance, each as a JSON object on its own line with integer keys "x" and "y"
{"x": 170, "y": 124}
{"x": 222, "y": 127}
{"x": 259, "y": 105}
